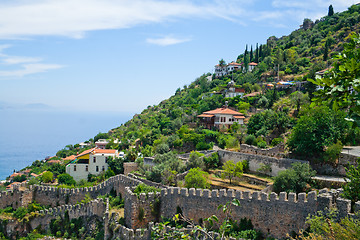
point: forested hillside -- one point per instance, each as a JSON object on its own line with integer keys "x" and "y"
{"x": 274, "y": 113}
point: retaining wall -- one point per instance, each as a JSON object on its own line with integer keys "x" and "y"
{"x": 255, "y": 161}
{"x": 277, "y": 151}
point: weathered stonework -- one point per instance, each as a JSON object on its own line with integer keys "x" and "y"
{"x": 255, "y": 161}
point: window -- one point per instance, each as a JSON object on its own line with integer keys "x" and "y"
{"x": 97, "y": 168}
{"x": 106, "y": 159}
{"x": 86, "y": 168}
{"x": 74, "y": 168}
{"x": 94, "y": 159}
{"x": 103, "y": 168}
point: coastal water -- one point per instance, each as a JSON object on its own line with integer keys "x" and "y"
{"x": 29, "y": 135}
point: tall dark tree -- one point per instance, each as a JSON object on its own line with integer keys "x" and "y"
{"x": 251, "y": 54}
{"x": 261, "y": 52}
{"x": 331, "y": 11}
{"x": 257, "y": 53}
{"x": 246, "y": 52}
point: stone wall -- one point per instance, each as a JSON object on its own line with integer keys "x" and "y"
{"x": 255, "y": 161}
{"x": 15, "y": 198}
{"x": 139, "y": 210}
{"x": 277, "y": 151}
{"x": 96, "y": 207}
{"x": 129, "y": 167}
{"x": 272, "y": 214}
{"x": 60, "y": 196}
{"x": 340, "y": 168}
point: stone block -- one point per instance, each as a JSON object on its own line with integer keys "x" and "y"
{"x": 206, "y": 193}
{"x": 192, "y": 192}
{"x": 273, "y": 196}
{"x": 199, "y": 192}
{"x": 255, "y": 195}
{"x": 238, "y": 194}
{"x": 311, "y": 196}
{"x": 292, "y": 197}
{"x": 263, "y": 196}
{"x": 222, "y": 193}
{"x": 246, "y": 195}
{"x": 184, "y": 192}
{"x": 214, "y": 193}
{"x": 301, "y": 197}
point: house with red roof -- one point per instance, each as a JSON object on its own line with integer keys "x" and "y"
{"x": 92, "y": 161}
{"x": 220, "y": 117}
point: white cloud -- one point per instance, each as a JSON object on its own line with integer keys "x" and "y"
{"x": 27, "y": 69}
{"x": 19, "y": 18}
{"x": 167, "y": 40}
{"x": 18, "y": 59}
{"x": 21, "y": 66}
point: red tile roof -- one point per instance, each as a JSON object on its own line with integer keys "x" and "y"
{"x": 235, "y": 64}
{"x": 239, "y": 117}
{"x": 240, "y": 90}
{"x": 225, "y": 111}
{"x": 205, "y": 115}
{"x": 253, "y": 64}
{"x": 72, "y": 157}
{"x": 252, "y": 94}
{"x": 110, "y": 151}
{"x": 85, "y": 152}
{"x": 54, "y": 161}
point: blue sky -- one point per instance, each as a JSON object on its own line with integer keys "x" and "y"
{"x": 123, "y": 55}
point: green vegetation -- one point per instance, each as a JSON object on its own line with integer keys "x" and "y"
{"x": 297, "y": 179}
{"x": 196, "y": 179}
{"x": 232, "y": 170}
{"x": 352, "y": 187}
{"x": 143, "y": 188}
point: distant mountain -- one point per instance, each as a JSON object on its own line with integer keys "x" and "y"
{"x": 37, "y": 106}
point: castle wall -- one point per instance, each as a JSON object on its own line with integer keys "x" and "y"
{"x": 272, "y": 214}
{"x": 53, "y": 196}
{"x": 255, "y": 161}
{"x": 134, "y": 206}
{"x": 96, "y": 207}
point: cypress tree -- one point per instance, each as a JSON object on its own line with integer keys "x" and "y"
{"x": 260, "y": 52}
{"x": 331, "y": 11}
{"x": 246, "y": 52}
{"x": 257, "y": 53}
{"x": 251, "y": 54}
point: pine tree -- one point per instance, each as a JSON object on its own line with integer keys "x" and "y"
{"x": 251, "y": 54}
{"x": 331, "y": 11}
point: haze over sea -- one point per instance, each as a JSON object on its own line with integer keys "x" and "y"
{"x": 32, "y": 134}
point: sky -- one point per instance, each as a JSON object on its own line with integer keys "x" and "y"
{"x": 124, "y": 55}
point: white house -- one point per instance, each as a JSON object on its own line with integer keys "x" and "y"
{"x": 221, "y": 117}
{"x": 92, "y": 161}
{"x": 251, "y": 66}
{"x": 220, "y": 70}
{"x": 101, "y": 143}
{"x": 233, "y": 91}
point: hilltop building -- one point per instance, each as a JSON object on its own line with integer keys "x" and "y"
{"x": 220, "y": 117}
{"x": 92, "y": 161}
{"x": 222, "y": 70}
{"x": 101, "y": 143}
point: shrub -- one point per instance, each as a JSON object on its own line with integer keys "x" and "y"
{"x": 333, "y": 152}
{"x": 295, "y": 179}
{"x": 196, "y": 160}
{"x": 66, "y": 179}
{"x": 212, "y": 161}
{"x": 276, "y": 141}
{"x": 250, "y": 139}
{"x": 196, "y": 179}
{"x": 47, "y": 177}
{"x": 143, "y": 188}
{"x": 261, "y": 144}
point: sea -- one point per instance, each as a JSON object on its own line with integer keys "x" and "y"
{"x": 27, "y": 135}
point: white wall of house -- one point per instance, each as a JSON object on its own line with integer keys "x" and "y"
{"x": 97, "y": 164}
{"x": 224, "y": 119}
